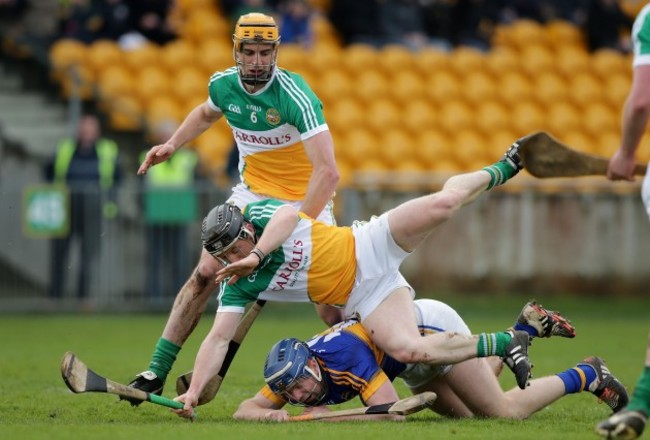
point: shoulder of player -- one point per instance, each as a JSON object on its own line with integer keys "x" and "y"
{"x": 229, "y": 74}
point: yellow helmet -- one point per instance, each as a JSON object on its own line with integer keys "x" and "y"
{"x": 255, "y": 28}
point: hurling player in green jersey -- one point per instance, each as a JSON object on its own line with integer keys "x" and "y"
{"x": 630, "y": 423}
{"x": 286, "y": 152}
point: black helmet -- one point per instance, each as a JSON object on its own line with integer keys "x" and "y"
{"x": 221, "y": 228}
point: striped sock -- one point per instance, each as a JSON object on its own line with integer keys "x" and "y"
{"x": 500, "y": 172}
{"x": 578, "y": 378}
{"x": 492, "y": 344}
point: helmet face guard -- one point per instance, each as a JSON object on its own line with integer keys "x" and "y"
{"x": 221, "y": 229}
{"x": 255, "y": 29}
{"x": 286, "y": 364}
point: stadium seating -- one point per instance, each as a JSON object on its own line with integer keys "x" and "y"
{"x": 387, "y": 108}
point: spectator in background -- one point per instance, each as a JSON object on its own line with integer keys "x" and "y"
{"x": 604, "y": 22}
{"x": 117, "y": 18}
{"x": 474, "y": 22}
{"x": 402, "y": 22}
{"x": 295, "y": 22}
{"x": 81, "y": 20}
{"x": 170, "y": 206}
{"x": 357, "y": 21}
{"x": 242, "y": 7}
{"x": 88, "y": 166}
{"x": 150, "y": 18}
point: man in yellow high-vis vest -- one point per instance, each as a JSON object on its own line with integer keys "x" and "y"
{"x": 88, "y": 166}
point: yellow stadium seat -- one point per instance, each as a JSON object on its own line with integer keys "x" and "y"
{"x": 152, "y": 81}
{"x": 580, "y": 141}
{"x": 405, "y": 86}
{"x": 571, "y": 60}
{"x": 430, "y": 60}
{"x": 526, "y": 33}
{"x": 358, "y": 146}
{"x": 395, "y": 146}
{"x": 536, "y": 59}
{"x": 345, "y": 114}
{"x": 469, "y": 147}
{"x": 502, "y": 61}
{"x": 616, "y": 89}
{"x": 104, "y": 53}
{"x": 115, "y": 81}
{"x": 78, "y": 81}
{"x": 607, "y": 142}
{"x": 455, "y": 116}
{"x": 178, "y": 53}
{"x": 527, "y": 117}
{"x": 382, "y": 114}
{"x": 146, "y": 55}
{"x": 585, "y": 89}
{"x": 370, "y": 85}
{"x": 442, "y": 86}
{"x": 563, "y": 118}
{"x": 514, "y": 87}
{"x": 491, "y": 116}
{"x": 598, "y": 117}
{"x": 163, "y": 108}
{"x": 292, "y": 57}
{"x": 214, "y": 55}
{"x": 323, "y": 30}
{"x": 477, "y": 87}
{"x": 357, "y": 58}
{"x": 214, "y": 147}
{"x": 550, "y": 88}
{"x": 324, "y": 56}
{"x": 204, "y": 23}
{"x": 417, "y": 115}
{"x": 465, "y": 60}
{"x": 562, "y": 33}
{"x": 189, "y": 81}
{"x": 125, "y": 114}
{"x": 65, "y": 53}
{"x": 394, "y": 58}
{"x": 608, "y": 62}
{"x": 331, "y": 85}
{"x": 498, "y": 141}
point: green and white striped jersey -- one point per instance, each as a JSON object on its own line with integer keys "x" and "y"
{"x": 269, "y": 127}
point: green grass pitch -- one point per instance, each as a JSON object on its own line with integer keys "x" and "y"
{"x": 35, "y": 403}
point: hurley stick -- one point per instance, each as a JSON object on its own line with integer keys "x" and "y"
{"x": 545, "y": 156}
{"x": 402, "y": 407}
{"x": 81, "y": 379}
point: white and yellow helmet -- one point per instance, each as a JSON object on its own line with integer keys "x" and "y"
{"x": 255, "y": 28}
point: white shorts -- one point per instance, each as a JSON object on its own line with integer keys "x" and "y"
{"x": 378, "y": 261}
{"x": 645, "y": 191}
{"x": 433, "y": 317}
{"x": 242, "y": 196}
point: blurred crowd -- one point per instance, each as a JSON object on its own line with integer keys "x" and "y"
{"x": 414, "y": 23}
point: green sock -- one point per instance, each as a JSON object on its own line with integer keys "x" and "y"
{"x": 492, "y": 344}
{"x": 163, "y": 358}
{"x": 500, "y": 172}
{"x": 641, "y": 397}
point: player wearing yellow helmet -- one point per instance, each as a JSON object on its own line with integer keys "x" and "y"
{"x": 286, "y": 152}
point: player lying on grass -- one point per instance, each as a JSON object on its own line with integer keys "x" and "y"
{"x": 630, "y": 423}
{"x": 271, "y": 247}
{"x": 342, "y": 362}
